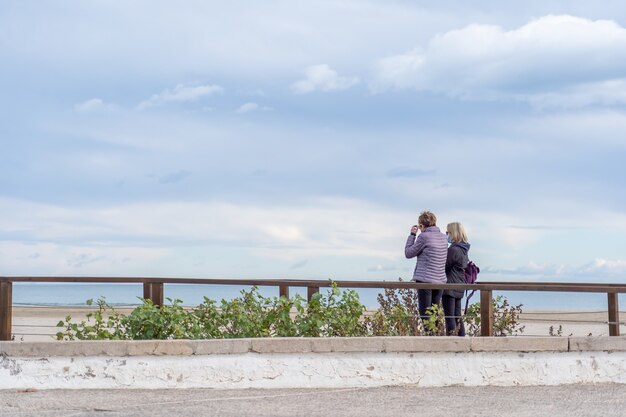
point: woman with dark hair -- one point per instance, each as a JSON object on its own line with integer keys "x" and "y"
{"x": 430, "y": 248}
{"x": 456, "y": 263}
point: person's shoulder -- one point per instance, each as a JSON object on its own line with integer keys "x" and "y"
{"x": 455, "y": 249}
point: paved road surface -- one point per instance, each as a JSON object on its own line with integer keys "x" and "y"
{"x": 569, "y": 400}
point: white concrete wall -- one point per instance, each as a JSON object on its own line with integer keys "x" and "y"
{"x": 313, "y": 362}
{"x": 314, "y": 370}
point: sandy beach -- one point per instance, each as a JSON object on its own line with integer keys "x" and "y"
{"x": 32, "y": 324}
{"x": 39, "y": 323}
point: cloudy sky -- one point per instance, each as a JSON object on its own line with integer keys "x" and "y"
{"x": 302, "y": 139}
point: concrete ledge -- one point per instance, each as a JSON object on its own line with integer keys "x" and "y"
{"x": 297, "y": 345}
{"x": 519, "y": 344}
{"x": 598, "y": 343}
{"x": 220, "y": 346}
{"x": 68, "y": 349}
{"x": 291, "y": 345}
{"x": 121, "y": 348}
{"x": 357, "y": 344}
{"x": 426, "y": 344}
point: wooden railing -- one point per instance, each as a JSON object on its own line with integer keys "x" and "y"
{"x": 153, "y": 290}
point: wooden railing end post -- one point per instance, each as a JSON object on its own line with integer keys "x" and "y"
{"x": 486, "y": 313}
{"x": 613, "y": 313}
{"x": 311, "y": 291}
{"x": 283, "y": 291}
{"x": 6, "y": 310}
{"x": 153, "y": 291}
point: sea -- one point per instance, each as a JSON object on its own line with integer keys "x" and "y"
{"x": 76, "y": 294}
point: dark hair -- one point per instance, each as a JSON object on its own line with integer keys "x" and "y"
{"x": 427, "y": 219}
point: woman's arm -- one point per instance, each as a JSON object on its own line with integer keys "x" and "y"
{"x": 449, "y": 260}
{"x": 414, "y": 246}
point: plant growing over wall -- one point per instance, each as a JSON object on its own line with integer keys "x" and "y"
{"x": 334, "y": 313}
{"x": 398, "y": 314}
{"x": 169, "y": 321}
{"x": 505, "y": 322}
{"x": 281, "y": 321}
{"x": 435, "y": 324}
{"x": 210, "y": 323}
{"x": 103, "y": 323}
{"x": 343, "y": 312}
{"x": 249, "y": 315}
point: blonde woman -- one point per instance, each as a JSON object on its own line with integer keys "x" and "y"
{"x": 456, "y": 262}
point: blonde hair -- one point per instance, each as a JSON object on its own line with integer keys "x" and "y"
{"x": 427, "y": 219}
{"x": 457, "y": 232}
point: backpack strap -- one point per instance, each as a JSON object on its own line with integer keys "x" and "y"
{"x": 467, "y": 300}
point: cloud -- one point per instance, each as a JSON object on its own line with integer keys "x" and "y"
{"x": 531, "y": 268}
{"x": 93, "y": 105}
{"x": 180, "y": 94}
{"x": 603, "y": 267}
{"x": 410, "y": 172}
{"x": 381, "y": 268}
{"x": 247, "y": 107}
{"x": 299, "y": 264}
{"x": 250, "y": 107}
{"x": 322, "y": 78}
{"x": 174, "y": 177}
{"x": 276, "y": 230}
{"x": 608, "y": 93}
{"x": 284, "y": 232}
{"x": 137, "y": 47}
{"x": 82, "y": 259}
{"x": 544, "y": 227}
{"x": 98, "y": 259}
{"x": 594, "y": 269}
{"x": 547, "y": 61}
{"x": 601, "y": 128}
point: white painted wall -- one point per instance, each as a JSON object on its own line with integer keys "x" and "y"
{"x": 314, "y": 370}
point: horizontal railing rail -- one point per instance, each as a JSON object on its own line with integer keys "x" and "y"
{"x": 153, "y": 289}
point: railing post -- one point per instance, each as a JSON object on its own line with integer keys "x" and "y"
{"x": 153, "y": 291}
{"x": 6, "y": 310}
{"x": 283, "y": 291}
{"x": 310, "y": 291}
{"x": 613, "y": 314}
{"x": 486, "y": 313}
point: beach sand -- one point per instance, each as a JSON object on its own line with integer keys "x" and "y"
{"x": 39, "y": 323}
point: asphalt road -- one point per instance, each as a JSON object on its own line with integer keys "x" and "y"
{"x": 566, "y": 400}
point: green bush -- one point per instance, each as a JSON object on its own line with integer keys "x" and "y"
{"x": 249, "y": 315}
{"x": 104, "y": 323}
{"x": 334, "y": 313}
{"x": 435, "y": 324}
{"x": 210, "y": 323}
{"x": 505, "y": 321}
{"x": 398, "y": 314}
{"x": 166, "y": 322}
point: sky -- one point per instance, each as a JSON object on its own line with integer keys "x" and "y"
{"x": 285, "y": 139}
